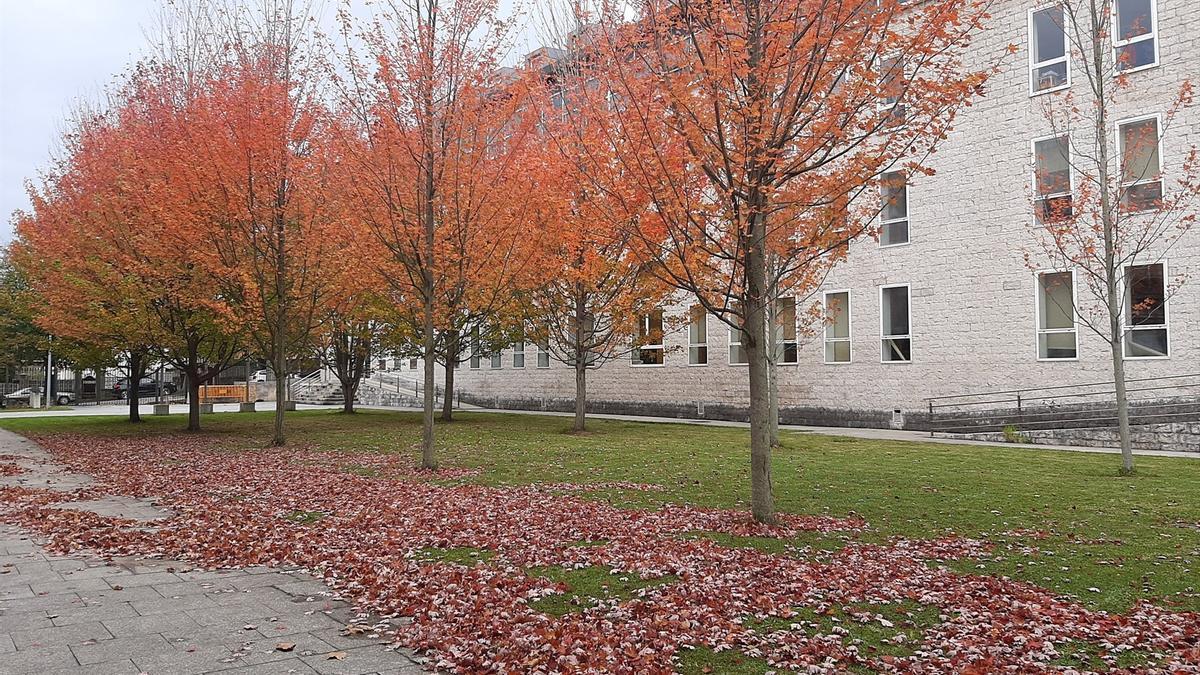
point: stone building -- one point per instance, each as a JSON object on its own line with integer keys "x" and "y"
{"x": 945, "y": 302}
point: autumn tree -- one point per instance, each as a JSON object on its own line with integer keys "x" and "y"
{"x": 428, "y": 155}
{"x": 21, "y": 340}
{"x": 1106, "y": 210}
{"x": 754, "y": 125}
{"x": 257, "y": 185}
{"x": 82, "y": 288}
{"x": 596, "y": 292}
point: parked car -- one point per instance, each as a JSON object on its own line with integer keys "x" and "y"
{"x": 147, "y": 386}
{"x": 23, "y": 395}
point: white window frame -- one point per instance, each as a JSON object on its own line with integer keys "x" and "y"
{"x": 883, "y": 105}
{"x": 1038, "y": 331}
{"x": 1065, "y": 58}
{"x": 693, "y": 345}
{"x": 497, "y": 361}
{"x": 907, "y": 219}
{"x": 1162, "y": 164}
{"x": 735, "y": 333}
{"x": 543, "y": 354}
{"x": 883, "y": 336}
{"x": 661, "y": 346}
{"x": 518, "y": 351}
{"x": 1118, "y": 43}
{"x": 1034, "y": 174}
{"x": 781, "y": 342}
{"x": 1166, "y": 324}
{"x": 849, "y": 339}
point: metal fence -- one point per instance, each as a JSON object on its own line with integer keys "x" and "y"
{"x": 1174, "y": 398}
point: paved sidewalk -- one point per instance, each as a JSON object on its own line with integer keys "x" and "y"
{"x": 83, "y": 614}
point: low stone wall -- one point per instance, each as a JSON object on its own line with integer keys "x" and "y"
{"x": 828, "y": 417}
{"x": 1168, "y": 436}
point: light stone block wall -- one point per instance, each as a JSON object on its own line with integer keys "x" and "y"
{"x": 972, "y": 295}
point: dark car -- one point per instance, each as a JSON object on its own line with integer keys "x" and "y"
{"x": 147, "y": 386}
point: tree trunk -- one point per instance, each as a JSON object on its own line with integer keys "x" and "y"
{"x": 582, "y": 342}
{"x": 348, "y": 392}
{"x": 1109, "y": 214}
{"x": 762, "y": 502}
{"x": 580, "y": 395}
{"x": 134, "y": 388}
{"x": 428, "y": 460}
{"x": 448, "y": 391}
{"x": 1118, "y": 359}
{"x": 279, "y": 365}
{"x": 773, "y": 372}
{"x": 193, "y": 384}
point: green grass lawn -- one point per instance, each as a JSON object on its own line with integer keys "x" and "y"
{"x": 1127, "y": 538}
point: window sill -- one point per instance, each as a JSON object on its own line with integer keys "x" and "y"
{"x": 837, "y": 363}
{"x": 1148, "y": 66}
{"x": 1147, "y": 358}
{"x": 1043, "y": 92}
{"x": 648, "y": 365}
{"x": 1065, "y": 359}
{"x": 904, "y": 243}
{"x": 696, "y": 365}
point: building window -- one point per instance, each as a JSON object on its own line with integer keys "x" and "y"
{"x": 1146, "y": 312}
{"x": 1049, "y": 65}
{"x": 893, "y": 229}
{"x": 895, "y": 324}
{"x": 1135, "y": 42}
{"x": 543, "y": 355}
{"x": 837, "y": 327}
{"x": 737, "y": 353}
{"x": 476, "y": 352}
{"x": 1141, "y": 168}
{"x": 892, "y": 85}
{"x": 412, "y": 364}
{"x": 497, "y": 360}
{"x": 698, "y": 336}
{"x": 785, "y": 331}
{"x": 649, "y": 348}
{"x": 1052, "y": 178}
{"x": 1056, "y": 335}
{"x": 519, "y": 354}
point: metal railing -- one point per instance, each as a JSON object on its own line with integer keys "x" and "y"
{"x": 1172, "y": 398}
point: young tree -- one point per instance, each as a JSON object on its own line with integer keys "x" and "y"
{"x": 68, "y": 249}
{"x": 428, "y": 153}
{"x": 588, "y": 308}
{"x": 752, "y": 125}
{"x": 257, "y": 185}
{"x": 1105, "y": 211}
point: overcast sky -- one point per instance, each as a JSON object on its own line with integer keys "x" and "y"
{"x": 52, "y": 53}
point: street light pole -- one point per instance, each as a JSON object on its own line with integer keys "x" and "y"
{"x": 49, "y": 375}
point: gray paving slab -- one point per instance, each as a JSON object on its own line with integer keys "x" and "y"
{"x": 60, "y": 635}
{"x": 135, "y": 615}
{"x": 100, "y": 651}
{"x": 144, "y": 510}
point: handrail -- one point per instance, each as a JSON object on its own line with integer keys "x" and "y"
{"x": 1166, "y": 398}
{"x": 1061, "y": 386}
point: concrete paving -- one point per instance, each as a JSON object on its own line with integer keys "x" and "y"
{"x": 85, "y": 614}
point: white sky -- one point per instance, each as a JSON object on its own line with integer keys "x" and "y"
{"x": 55, "y": 52}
